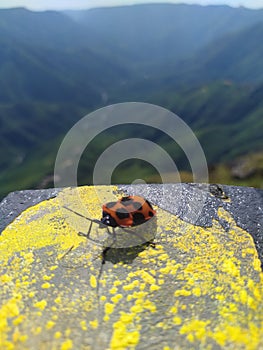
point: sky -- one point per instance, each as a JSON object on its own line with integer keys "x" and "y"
{"x": 86, "y": 4}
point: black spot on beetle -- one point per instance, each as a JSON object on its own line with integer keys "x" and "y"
{"x": 138, "y": 218}
{"x": 110, "y": 204}
{"x": 122, "y": 213}
{"x": 137, "y": 205}
{"x": 127, "y": 202}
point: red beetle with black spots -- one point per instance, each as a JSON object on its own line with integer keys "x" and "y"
{"x": 127, "y": 211}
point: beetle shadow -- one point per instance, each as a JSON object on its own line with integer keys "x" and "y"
{"x": 124, "y": 255}
{"x": 128, "y": 245}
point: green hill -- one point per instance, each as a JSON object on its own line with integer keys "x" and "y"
{"x": 236, "y": 56}
{"x": 156, "y": 34}
{"x": 202, "y": 62}
{"x": 226, "y": 119}
{"x": 45, "y": 56}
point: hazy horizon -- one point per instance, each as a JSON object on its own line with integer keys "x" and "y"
{"x": 84, "y": 4}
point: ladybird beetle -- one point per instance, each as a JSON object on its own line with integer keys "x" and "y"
{"x": 127, "y": 211}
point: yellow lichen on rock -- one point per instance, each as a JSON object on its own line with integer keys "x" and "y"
{"x": 199, "y": 287}
{"x": 45, "y": 238}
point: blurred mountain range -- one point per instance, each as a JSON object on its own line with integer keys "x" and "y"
{"x": 202, "y": 62}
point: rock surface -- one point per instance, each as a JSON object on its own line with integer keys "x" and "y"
{"x": 199, "y": 286}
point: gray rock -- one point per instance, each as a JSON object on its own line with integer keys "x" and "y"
{"x": 199, "y": 286}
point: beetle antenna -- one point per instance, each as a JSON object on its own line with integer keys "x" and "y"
{"x": 82, "y": 216}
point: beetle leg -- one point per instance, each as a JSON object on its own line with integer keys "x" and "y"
{"x": 105, "y": 250}
{"x": 89, "y": 229}
{"x": 86, "y": 234}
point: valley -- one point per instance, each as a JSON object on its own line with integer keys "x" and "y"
{"x": 204, "y": 63}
